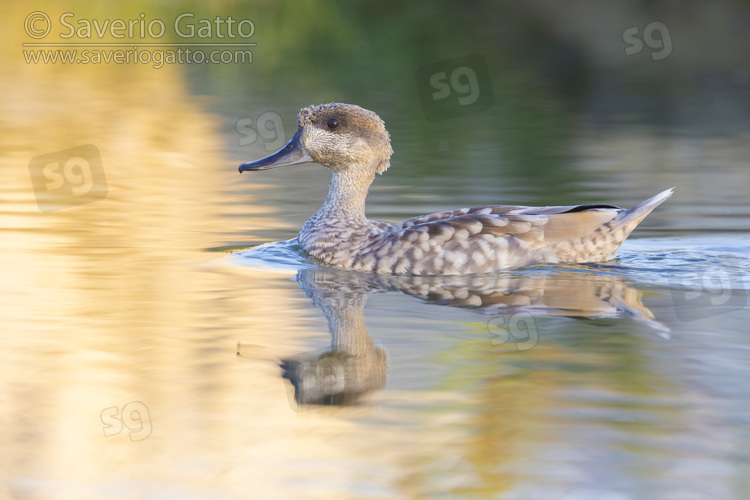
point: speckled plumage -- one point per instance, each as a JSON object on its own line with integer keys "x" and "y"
{"x": 354, "y": 144}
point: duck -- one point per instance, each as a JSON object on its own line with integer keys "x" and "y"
{"x": 354, "y": 144}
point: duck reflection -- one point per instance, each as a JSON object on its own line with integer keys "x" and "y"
{"x": 355, "y": 366}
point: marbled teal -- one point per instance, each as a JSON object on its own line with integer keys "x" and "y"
{"x": 354, "y": 144}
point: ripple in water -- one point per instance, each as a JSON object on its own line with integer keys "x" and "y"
{"x": 280, "y": 256}
{"x": 705, "y": 263}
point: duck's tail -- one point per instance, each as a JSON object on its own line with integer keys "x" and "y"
{"x": 628, "y": 219}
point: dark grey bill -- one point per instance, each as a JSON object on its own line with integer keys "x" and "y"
{"x": 291, "y": 154}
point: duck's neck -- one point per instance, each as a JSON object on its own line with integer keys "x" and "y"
{"x": 346, "y": 196}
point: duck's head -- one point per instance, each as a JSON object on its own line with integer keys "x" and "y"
{"x": 339, "y": 136}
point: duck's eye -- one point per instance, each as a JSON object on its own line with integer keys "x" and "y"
{"x": 333, "y": 123}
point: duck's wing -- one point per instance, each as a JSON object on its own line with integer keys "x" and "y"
{"x": 549, "y": 223}
{"x": 482, "y": 239}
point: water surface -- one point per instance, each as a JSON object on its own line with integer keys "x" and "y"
{"x": 168, "y": 339}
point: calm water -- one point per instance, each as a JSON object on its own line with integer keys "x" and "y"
{"x": 164, "y": 337}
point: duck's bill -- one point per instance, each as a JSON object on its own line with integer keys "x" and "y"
{"x": 291, "y": 154}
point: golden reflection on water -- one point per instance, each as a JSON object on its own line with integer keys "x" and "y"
{"x": 116, "y": 301}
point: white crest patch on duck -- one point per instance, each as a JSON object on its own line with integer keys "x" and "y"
{"x": 354, "y": 144}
